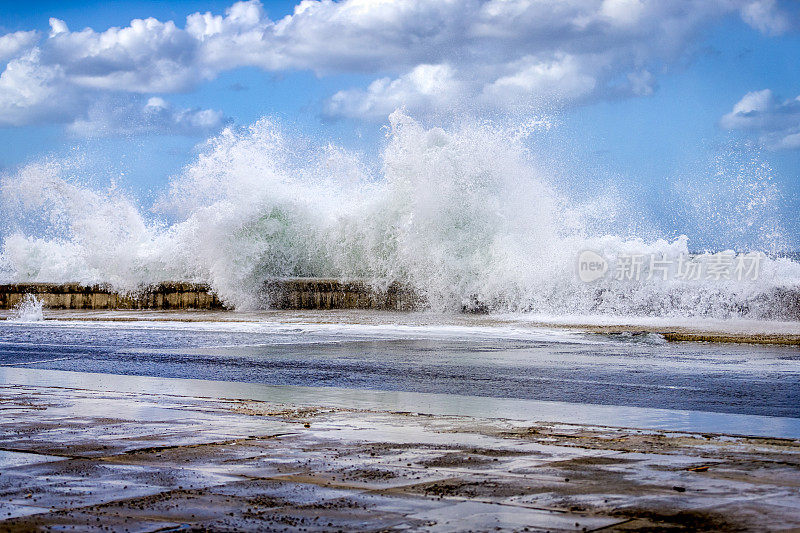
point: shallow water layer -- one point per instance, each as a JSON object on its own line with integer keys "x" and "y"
{"x": 155, "y": 454}
{"x": 468, "y": 359}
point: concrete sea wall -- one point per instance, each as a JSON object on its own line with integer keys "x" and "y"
{"x": 299, "y": 293}
{"x": 315, "y": 293}
{"x": 77, "y": 296}
{"x": 293, "y": 293}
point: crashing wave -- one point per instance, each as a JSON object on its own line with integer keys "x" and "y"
{"x": 463, "y": 216}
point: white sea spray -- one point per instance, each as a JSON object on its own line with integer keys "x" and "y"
{"x": 29, "y": 309}
{"x": 462, "y": 215}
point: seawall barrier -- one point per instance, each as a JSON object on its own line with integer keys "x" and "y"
{"x": 301, "y": 293}
{"x": 290, "y": 293}
{"x": 317, "y": 293}
{"x": 76, "y": 296}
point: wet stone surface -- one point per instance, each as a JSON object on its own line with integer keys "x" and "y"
{"x": 82, "y": 460}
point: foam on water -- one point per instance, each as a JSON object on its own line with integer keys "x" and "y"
{"x": 297, "y": 331}
{"x": 460, "y": 215}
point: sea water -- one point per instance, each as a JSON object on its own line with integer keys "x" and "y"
{"x": 456, "y": 356}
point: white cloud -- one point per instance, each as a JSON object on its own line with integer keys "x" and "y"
{"x": 766, "y": 17}
{"x": 31, "y": 92}
{"x": 57, "y": 26}
{"x": 132, "y": 117}
{"x": 623, "y": 12}
{"x": 563, "y": 77}
{"x": 11, "y": 44}
{"x": 641, "y": 83}
{"x": 487, "y": 52}
{"x": 775, "y": 123}
{"x": 147, "y": 56}
{"x": 419, "y": 89}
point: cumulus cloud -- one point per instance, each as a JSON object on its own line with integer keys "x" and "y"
{"x": 766, "y": 17}
{"x": 31, "y": 92}
{"x": 147, "y": 56}
{"x": 563, "y": 77}
{"x": 12, "y": 44}
{"x": 423, "y": 87}
{"x": 424, "y": 54}
{"x": 775, "y": 122}
{"x": 109, "y": 118}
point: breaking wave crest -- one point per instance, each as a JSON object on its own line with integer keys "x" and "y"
{"x": 461, "y": 215}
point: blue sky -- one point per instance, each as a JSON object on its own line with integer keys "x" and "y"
{"x": 643, "y": 93}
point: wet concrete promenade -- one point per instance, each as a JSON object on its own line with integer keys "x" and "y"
{"x": 87, "y": 459}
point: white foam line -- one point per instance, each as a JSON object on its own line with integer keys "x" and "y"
{"x": 37, "y": 362}
{"x": 342, "y": 330}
